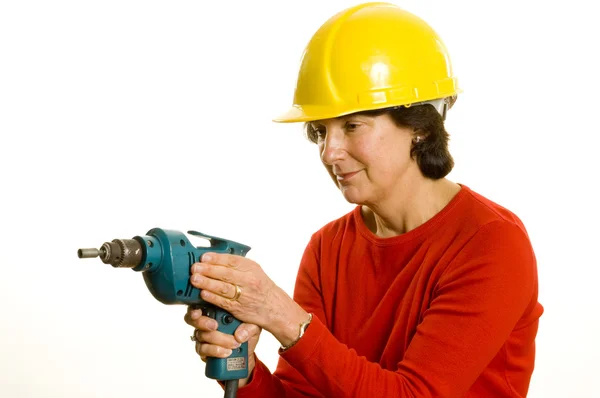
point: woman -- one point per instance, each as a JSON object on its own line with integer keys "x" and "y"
{"x": 425, "y": 289}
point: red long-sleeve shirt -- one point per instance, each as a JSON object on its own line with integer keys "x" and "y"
{"x": 448, "y": 309}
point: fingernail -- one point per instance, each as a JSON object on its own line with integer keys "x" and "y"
{"x": 207, "y": 258}
{"x": 236, "y": 345}
{"x": 228, "y": 352}
{"x": 195, "y": 278}
{"x": 195, "y": 314}
{"x": 243, "y": 335}
{"x": 213, "y": 325}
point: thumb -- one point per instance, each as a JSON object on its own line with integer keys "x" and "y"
{"x": 244, "y": 331}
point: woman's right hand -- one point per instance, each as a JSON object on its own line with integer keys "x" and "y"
{"x": 212, "y": 343}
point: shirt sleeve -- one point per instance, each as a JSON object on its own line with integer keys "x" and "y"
{"x": 478, "y": 301}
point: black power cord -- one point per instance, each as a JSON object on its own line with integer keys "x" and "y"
{"x": 231, "y": 387}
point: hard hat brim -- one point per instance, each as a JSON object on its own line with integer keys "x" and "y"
{"x": 310, "y": 113}
{"x": 305, "y": 114}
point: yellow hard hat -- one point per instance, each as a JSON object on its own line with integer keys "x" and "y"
{"x": 371, "y": 56}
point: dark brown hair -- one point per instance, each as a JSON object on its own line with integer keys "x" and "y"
{"x": 431, "y": 153}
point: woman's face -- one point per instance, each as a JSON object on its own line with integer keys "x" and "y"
{"x": 367, "y": 156}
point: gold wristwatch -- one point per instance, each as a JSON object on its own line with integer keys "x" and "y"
{"x": 302, "y": 329}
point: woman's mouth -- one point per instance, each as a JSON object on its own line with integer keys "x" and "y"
{"x": 346, "y": 176}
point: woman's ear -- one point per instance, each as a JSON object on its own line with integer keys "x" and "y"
{"x": 419, "y": 135}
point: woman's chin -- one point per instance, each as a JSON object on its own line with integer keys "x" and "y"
{"x": 352, "y": 195}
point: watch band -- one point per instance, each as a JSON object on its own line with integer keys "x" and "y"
{"x": 302, "y": 329}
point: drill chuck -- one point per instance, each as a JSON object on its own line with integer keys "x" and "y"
{"x": 120, "y": 253}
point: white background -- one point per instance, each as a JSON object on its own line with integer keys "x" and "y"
{"x": 120, "y": 116}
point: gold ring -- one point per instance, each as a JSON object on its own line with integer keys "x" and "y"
{"x": 238, "y": 293}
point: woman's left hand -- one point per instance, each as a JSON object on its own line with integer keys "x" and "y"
{"x": 260, "y": 301}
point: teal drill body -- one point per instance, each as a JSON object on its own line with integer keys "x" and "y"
{"x": 165, "y": 261}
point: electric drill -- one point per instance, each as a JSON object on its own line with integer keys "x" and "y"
{"x": 165, "y": 258}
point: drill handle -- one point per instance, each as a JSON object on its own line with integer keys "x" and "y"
{"x": 235, "y": 366}
{"x": 223, "y": 245}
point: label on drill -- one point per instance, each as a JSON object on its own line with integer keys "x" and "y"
{"x": 238, "y": 363}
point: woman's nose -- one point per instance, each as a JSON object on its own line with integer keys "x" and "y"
{"x": 332, "y": 147}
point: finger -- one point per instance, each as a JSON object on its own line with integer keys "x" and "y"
{"x": 224, "y": 289}
{"x": 245, "y": 331}
{"x": 193, "y": 312}
{"x": 202, "y": 322}
{"x": 221, "y": 302}
{"x": 209, "y": 350}
{"x": 228, "y": 260}
{"x": 217, "y": 272}
{"x": 216, "y": 338}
